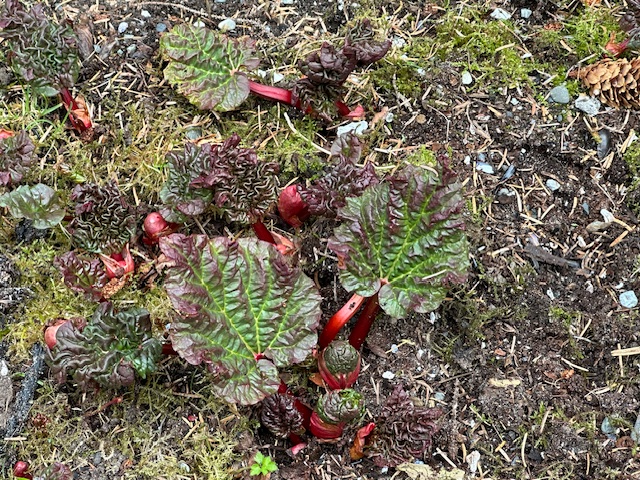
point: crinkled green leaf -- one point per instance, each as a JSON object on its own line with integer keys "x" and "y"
{"x": 17, "y": 153}
{"x": 244, "y": 311}
{"x": 404, "y": 239}
{"x": 38, "y": 203}
{"x": 208, "y": 67}
{"x": 41, "y": 52}
{"x": 104, "y": 221}
{"x": 109, "y": 351}
{"x": 184, "y": 166}
{"x": 82, "y": 274}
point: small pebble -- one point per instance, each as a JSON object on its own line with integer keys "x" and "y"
{"x": 194, "y": 133}
{"x": 467, "y": 160}
{"x": 439, "y": 396}
{"x": 199, "y": 24}
{"x": 607, "y": 215}
{"x": 388, "y": 375}
{"x": 484, "y": 168}
{"x": 356, "y": 127}
{"x": 131, "y": 49}
{"x": 550, "y": 294}
{"x": 4, "y": 370}
{"x": 525, "y": 13}
{"x": 482, "y": 156}
{"x": 467, "y": 79}
{"x": 420, "y": 354}
{"x": 389, "y": 117}
{"x": 552, "y": 185}
{"x": 508, "y": 173}
{"x": 421, "y": 71}
{"x": 277, "y": 77}
{"x": 605, "y": 143}
{"x": 588, "y": 105}
{"x": 628, "y": 299}
{"x": 221, "y": 1}
{"x": 97, "y": 48}
{"x": 123, "y": 27}
{"x": 161, "y": 27}
{"x": 227, "y": 25}
{"x": 398, "y": 42}
{"x": 500, "y": 14}
{"x": 287, "y": 2}
{"x": 145, "y": 14}
{"x": 394, "y": 348}
{"x": 585, "y": 207}
{"x": 560, "y": 94}
{"x": 384, "y": 470}
{"x": 472, "y": 460}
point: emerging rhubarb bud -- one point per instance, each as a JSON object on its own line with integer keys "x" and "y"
{"x": 21, "y": 470}
{"x": 334, "y": 410}
{"x": 292, "y": 208}
{"x": 339, "y": 365}
{"x": 50, "y": 332}
{"x": 155, "y": 227}
{"x": 280, "y": 415}
{"x": 118, "y": 264}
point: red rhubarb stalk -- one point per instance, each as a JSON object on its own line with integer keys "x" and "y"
{"x": 339, "y": 319}
{"x": 270, "y": 93}
{"x": 363, "y": 325}
{"x": 77, "y": 109}
{"x": 263, "y": 232}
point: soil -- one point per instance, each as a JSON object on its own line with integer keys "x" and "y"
{"x": 520, "y": 357}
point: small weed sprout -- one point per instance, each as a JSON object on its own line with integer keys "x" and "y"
{"x": 262, "y": 465}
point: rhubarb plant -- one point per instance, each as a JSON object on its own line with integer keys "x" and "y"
{"x": 244, "y": 311}
{"x": 401, "y": 244}
{"x": 334, "y": 411}
{"x": 38, "y": 203}
{"x": 83, "y": 274}
{"x": 211, "y": 70}
{"x": 109, "y": 351}
{"x": 45, "y": 55}
{"x": 339, "y": 365}
{"x": 104, "y": 222}
{"x": 17, "y": 154}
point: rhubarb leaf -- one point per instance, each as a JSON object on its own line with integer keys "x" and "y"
{"x": 109, "y": 351}
{"x": 243, "y": 186}
{"x": 361, "y": 41}
{"x": 404, "y": 239}
{"x": 42, "y": 53}
{"x": 184, "y": 166}
{"x": 280, "y": 415}
{"x": 17, "y": 153}
{"x": 208, "y": 67}
{"x": 104, "y": 221}
{"x": 82, "y": 274}
{"x": 403, "y": 431}
{"x": 244, "y": 311}
{"x": 38, "y": 203}
{"x": 345, "y": 179}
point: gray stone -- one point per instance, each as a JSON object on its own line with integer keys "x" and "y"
{"x": 467, "y": 79}
{"x": 500, "y": 14}
{"x": 525, "y": 13}
{"x": 628, "y": 299}
{"x": 588, "y": 105}
{"x": 123, "y": 27}
{"x": 145, "y": 14}
{"x": 485, "y": 168}
{"x": 227, "y": 25}
{"x": 560, "y": 94}
{"x": 552, "y": 185}
{"x": 161, "y": 27}
{"x": 356, "y": 127}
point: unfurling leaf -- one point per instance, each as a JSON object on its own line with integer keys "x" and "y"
{"x": 280, "y": 415}
{"x": 41, "y": 52}
{"x": 109, "y": 351}
{"x": 403, "y": 431}
{"x": 404, "y": 240}
{"x": 339, "y": 365}
{"x": 17, "y": 153}
{"x": 104, "y": 221}
{"x": 39, "y": 203}
{"x": 83, "y": 274}
{"x": 208, "y": 67}
{"x": 244, "y": 311}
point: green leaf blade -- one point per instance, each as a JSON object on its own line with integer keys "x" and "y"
{"x": 404, "y": 239}
{"x": 39, "y": 203}
{"x": 244, "y": 311}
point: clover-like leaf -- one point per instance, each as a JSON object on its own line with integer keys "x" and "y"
{"x": 104, "y": 221}
{"x": 108, "y": 351}
{"x": 404, "y": 239}
{"x": 38, "y": 203}
{"x": 17, "y": 153}
{"x": 208, "y": 67}
{"x": 43, "y": 53}
{"x": 244, "y": 311}
{"x": 82, "y": 274}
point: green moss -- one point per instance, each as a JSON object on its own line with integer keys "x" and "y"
{"x": 422, "y": 156}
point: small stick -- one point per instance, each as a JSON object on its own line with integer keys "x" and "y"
{"x": 115, "y": 401}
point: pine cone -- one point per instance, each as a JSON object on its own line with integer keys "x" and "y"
{"x": 614, "y": 81}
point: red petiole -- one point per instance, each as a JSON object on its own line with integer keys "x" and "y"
{"x": 363, "y": 325}
{"x": 263, "y": 233}
{"x": 77, "y": 109}
{"x": 339, "y": 319}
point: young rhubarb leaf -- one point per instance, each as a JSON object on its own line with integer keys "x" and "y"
{"x": 244, "y": 311}
{"x": 82, "y": 274}
{"x": 403, "y": 431}
{"x": 39, "y": 203}
{"x": 42, "y": 53}
{"x": 280, "y": 415}
{"x": 104, "y": 221}
{"x": 17, "y": 153}
{"x": 339, "y": 365}
{"x": 404, "y": 240}
{"x": 344, "y": 179}
{"x": 109, "y": 351}
{"x": 208, "y": 67}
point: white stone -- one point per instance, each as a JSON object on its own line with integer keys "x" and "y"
{"x": 467, "y": 79}
{"x": 388, "y": 375}
{"x": 123, "y": 27}
{"x": 628, "y": 299}
{"x": 356, "y": 127}
{"x": 500, "y": 14}
{"x": 227, "y": 25}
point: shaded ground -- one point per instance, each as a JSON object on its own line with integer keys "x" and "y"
{"x": 519, "y": 358}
